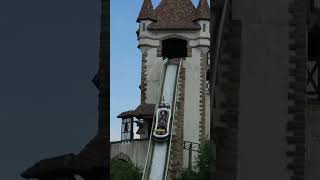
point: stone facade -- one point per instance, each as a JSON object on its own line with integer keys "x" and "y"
{"x": 297, "y": 90}
{"x": 143, "y": 77}
{"x": 264, "y": 78}
{"x": 227, "y": 102}
{"x": 203, "y": 95}
{"x": 187, "y": 25}
{"x": 134, "y": 151}
{"x": 176, "y": 152}
{"x": 192, "y": 111}
{"x": 312, "y": 157}
{"x": 273, "y": 132}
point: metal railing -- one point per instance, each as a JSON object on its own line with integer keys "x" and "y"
{"x": 191, "y": 147}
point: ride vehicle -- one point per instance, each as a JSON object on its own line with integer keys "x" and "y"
{"x": 162, "y": 124}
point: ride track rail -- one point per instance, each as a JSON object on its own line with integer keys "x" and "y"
{"x": 160, "y": 146}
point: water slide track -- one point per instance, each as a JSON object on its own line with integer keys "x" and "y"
{"x": 156, "y": 165}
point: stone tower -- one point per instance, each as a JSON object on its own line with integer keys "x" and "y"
{"x": 177, "y": 29}
{"x": 266, "y": 115}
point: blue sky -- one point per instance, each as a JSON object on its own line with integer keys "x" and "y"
{"x": 125, "y": 60}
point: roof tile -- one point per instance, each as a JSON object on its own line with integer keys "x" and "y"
{"x": 144, "y": 111}
{"x": 203, "y": 11}
{"x": 175, "y": 15}
{"x": 146, "y": 11}
{"x": 125, "y": 114}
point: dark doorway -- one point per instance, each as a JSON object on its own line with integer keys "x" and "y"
{"x": 313, "y": 80}
{"x": 174, "y": 48}
{"x": 314, "y": 44}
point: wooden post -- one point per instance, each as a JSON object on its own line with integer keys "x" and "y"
{"x": 190, "y": 157}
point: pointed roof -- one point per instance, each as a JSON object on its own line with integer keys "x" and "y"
{"x": 175, "y": 15}
{"x": 146, "y": 11}
{"x": 203, "y": 11}
{"x": 126, "y": 114}
{"x": 144, "y": 111}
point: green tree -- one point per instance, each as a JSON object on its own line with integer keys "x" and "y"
{"x": 201, "y": 171}
{"x": 123, "y": 170}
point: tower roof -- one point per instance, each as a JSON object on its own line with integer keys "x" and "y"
{"x": 146, "y": 11}
{"x": 203, "y": 11}
{"x": 175, "y": 15}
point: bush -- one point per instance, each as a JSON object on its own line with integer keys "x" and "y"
{"x": 123, "y": 170}
{"x": 202, "y": 165}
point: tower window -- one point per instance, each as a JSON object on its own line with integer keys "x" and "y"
{"x": 174, "y": 48}
{"x": 143, "y": 26}
{"x": 204, "y": 27}
{"x": 127, "y": 127}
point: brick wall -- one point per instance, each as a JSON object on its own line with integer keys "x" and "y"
{"x": 143, "y": 77}
{"x": 203, "y": 69}
{"x": 297, "y": 95}
{"x": 229, "y": 82}
{"x": 176, "y": 151}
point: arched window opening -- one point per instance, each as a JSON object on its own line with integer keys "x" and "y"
{"x": 174, "y": 48}
{"x": 143, "y": 26}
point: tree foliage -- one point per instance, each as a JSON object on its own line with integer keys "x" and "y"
{"x": 123, "y": 170}
{"x": 201, "y": 169}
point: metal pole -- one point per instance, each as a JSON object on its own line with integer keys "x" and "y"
{"x": 190, "y": 157}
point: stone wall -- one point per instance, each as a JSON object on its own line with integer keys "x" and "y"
{"x": 176, "y": 151}
{"x": 203, "y": 102}
{"x": 192, "y": 111}
{"x": 313, "y": 143}
{"x": 227, "y": 103}
{"x": 136, "y": 150}
{"x": 297, "y": 86}
{"x": 264, "y": 90}
{"x": 153, "y": 66}
{"x": 143, "y": 77}
{"x": 317, "y": 3}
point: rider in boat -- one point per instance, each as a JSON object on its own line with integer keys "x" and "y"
{"x": 163, "y": 120}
